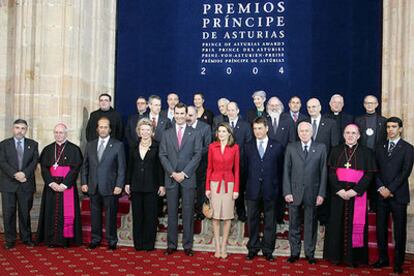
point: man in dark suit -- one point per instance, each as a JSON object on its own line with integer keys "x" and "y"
{"x": 324, "y": 131}
{"x": 304, "y": 186}
{"x": 242, "y": 132}
{"x": 18, "y": 160}
{"x": 264, "y": 165}
{"x": 103, "y": 178}
{"x": 180, "y": 154}
{"x": 373, "y": 133}
{"x": 159, "y": 122}
{"x": 130, "y": 129}
{"x": 281, "y": 127}
{"x": 172, "y": 100}
{"x": 294, "y": 112}
{"x": 205, "y": 131}
{"x": 337, "y": 114}
{"x": 395, "y": 163}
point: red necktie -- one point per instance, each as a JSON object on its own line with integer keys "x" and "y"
{"x": 180, "y": 136}
{"x": 295, "y": 117}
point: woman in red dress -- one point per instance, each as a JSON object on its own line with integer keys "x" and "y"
{"x": 222, "y": 183}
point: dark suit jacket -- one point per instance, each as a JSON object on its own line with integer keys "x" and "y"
{"x": 131, "y": 126}
{"x": 286, "y": 130}
{"x": 302, "y": 117}
{"x": 108, "y": 173}
{"x": 145, "y": 175}
{"x": 381, "y": 134}
{"x": 217, "y": 120}
{"x": 162, "y": 125}
{"x": 394, "y": 170}
{"x": 305, "y": 179}
{"x": 342, "y": 120}
{"x": 184, "y": 159}
{"x": 264, "y": 176}
{"x": 327, "y": 133}
{"x": 242, "y": 134}
{"x": 207, "y": 117}
{"x": 252, "y": 114}
{"x": 9, "y": 165}
{"x": 205, "y": 131}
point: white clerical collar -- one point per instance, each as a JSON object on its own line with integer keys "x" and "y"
{"x": 336, "y": 113}
{"x": 61, "y": 143}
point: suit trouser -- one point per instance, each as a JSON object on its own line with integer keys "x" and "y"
{"x": 187, "y": 205}
{"x": 399, "y": 216}
{"x": 201, "y": 185}
{"x": 24, "y": 201}
{"x": 110, "y": 205}
{"x": 267, "y": 244}
{"x": 240, "y": 204}
{"x": 310, "y": 229}
{"x": 144, "y": 218}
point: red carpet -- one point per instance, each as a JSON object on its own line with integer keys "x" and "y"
{"x": 126, "y": 261}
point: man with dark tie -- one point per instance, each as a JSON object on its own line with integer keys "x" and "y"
{"x": 337, "y": 114}
{"x": 242, "y": 132}
{"x": 103, "y": 178}
{"x": 294, "y": 111}
{"x": 264, "y": 165}
{"x": 18, "y": 160}
{"x": 281, "y": 127}
{"x": 395, "y": 163}
{"x": 130, "y": 129}
{"x": 180, "y": 154}
{"x": 105, "y": 110}
{"x": 205, "y": 131}
{"x": 159, "y": 122}
{"x": 324, "y": 131}
{"x": 304, "y": 187}
{"x": 172, "y": 100}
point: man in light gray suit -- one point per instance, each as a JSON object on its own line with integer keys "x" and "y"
{"x": 103, "y": 178}
{"x": 180, "y": 153}
{"x": 304, "y": 186}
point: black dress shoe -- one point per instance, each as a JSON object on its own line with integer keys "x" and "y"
{"x": 381, "y": 263}
{"x": 242, "y": 218}
{"x": 29, "y": 243}
{"x": 93, "y": 245}
{"x": 189, "y": 252}
{"x": 112, "y": 246}
{"x": 9, "y": 245}
{"x": 292, "y": 259}
{"x": 200, "y": 217}
{"x": 251, "y": 255}
{"x": 398, "y": 269}
{"x": 269, "y": 257}
{"x": 169, "y": 251}
{"x": 311, "y": 260}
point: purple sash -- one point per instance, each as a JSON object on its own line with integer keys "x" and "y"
{"x": 68, "y": 202}
{"x": 360, "y": 205}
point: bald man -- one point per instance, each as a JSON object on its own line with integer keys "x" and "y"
{"x": 59, "y": 219}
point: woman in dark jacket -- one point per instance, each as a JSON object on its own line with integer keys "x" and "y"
{"x": 145, "y": 178}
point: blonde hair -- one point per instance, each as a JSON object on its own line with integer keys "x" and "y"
{"x": 231, "y": 140}
{"x": 144, "y": 122}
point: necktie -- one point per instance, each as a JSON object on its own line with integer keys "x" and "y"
{"x": 315, "y": 129}
{"x": 19, "y": 150}
{"x": 295, "y": 117}
{"x": 154, "y": 123}
{"x": 101, "y": 149}
{"x": 261, "y": 149}
{"x": 274, "y": 125}
{"x": 232, "y": 124}
{"x": 180, "y": 136}
{"x": 391, "y": 148}
{"x": 306, "y": 151}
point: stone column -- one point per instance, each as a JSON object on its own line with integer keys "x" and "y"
{"x": 398, "y": 77}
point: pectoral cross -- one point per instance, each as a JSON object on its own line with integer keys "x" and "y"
{"x": 55, "y": 166}
{"x": 347, "y": 165}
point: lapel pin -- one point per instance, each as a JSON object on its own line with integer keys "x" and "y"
{"x": 28, "y": 147}
{"x": 323, "y": 124}
{"x": 271, "y": 145}
{"x": 313, "y": 150}
{"x": 65, "y": 158}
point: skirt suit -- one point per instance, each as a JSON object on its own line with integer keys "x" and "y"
{"x": 222, "y": 179}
